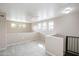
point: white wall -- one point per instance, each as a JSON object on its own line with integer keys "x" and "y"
{"x": 17, "y": 28}
{"x": 67, "y": 24}
{"x": 54, "y": 45}
{"x": 18, "y": 34}
{"x": 11, "y": 36}
{"x": 15, "y": 38}
{"x": 3, "y": 40}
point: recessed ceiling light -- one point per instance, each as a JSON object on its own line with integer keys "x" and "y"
{"x": 67, "y": 10}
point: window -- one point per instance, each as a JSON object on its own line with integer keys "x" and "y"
{"x": 44, "y": 26}
{"x": 39, "y": 26}
{"x": 51, "y": 24}
{"x": 35, "y": 27}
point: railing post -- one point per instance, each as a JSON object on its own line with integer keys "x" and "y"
{"x": 66, "y": 43}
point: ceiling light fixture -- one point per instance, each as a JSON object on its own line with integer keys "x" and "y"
{"x": 67, "y": 10}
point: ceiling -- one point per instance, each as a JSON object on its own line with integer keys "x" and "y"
{"x": 31, "y": 12}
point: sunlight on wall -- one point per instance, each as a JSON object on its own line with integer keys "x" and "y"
{"x": 24, "y": 26}
{"x": 13, "y": 25}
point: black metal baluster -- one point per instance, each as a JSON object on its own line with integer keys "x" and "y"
{"x": 66, "y": 43}
{"x": 77, "y": 45}
{"x": 74, "y": 44}
{"x": 72, "y": 47}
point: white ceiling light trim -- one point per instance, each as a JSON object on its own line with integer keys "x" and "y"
{"x": 67, "y": 10}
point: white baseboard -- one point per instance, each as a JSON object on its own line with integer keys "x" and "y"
{"x": 50, "y": 53}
